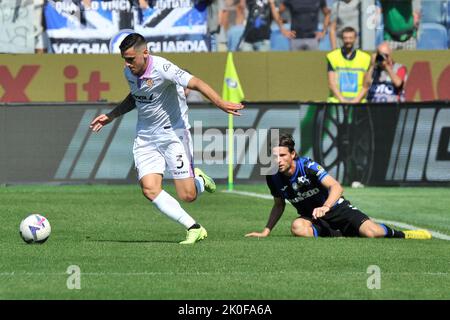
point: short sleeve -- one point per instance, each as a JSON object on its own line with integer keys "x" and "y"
{"x": 315, "y": 169}
{"x": 175, "y": 74}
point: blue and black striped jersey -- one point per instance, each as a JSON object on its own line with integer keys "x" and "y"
{"x": 303, "y": 189}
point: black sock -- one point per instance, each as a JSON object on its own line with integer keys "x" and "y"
{"x": 391, "y": 233}
{"x": 194, "y": 226}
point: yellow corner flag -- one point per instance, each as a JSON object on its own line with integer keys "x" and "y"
{"x": 232, "y": 92}
{"x": 232, "y": 89}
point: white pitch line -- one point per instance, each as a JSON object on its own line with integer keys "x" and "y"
{"x": 435, "y": 234}
{"x": 217, "y": 273}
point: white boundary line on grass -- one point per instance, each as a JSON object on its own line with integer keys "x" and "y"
{"x": 435, "y": 234}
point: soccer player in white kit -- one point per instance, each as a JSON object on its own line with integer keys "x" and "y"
{"x": 162, "y": 138}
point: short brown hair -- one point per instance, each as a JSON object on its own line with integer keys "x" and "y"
{"x": 349, "y": 29}
{"x": 286, "y": 140}
{"x": 132, "y": 40}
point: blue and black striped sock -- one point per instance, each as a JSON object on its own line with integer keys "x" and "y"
{"x": 391, "y": 233}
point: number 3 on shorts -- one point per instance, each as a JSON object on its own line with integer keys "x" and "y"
{"x": 180, "y": 161}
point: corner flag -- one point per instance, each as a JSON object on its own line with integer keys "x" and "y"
{"x": 232, "y": 92}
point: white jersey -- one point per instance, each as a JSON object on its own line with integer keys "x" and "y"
{"x": 159, "y": 96}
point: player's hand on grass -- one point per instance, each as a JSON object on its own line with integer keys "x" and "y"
{"x": 230, "y": 107}
{"x": 263, "y": 234}
{"x": 320, "y": 212}
{"x": 99, "y": 122}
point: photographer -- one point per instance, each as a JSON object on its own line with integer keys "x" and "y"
{"x": 385, "y": 79}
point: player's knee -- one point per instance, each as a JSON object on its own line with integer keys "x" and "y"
{"x": 371, "y": 230}
{"x": 299, "y": 229}
{"x": 150, "y": 193}
{"x": 188, "y": 196}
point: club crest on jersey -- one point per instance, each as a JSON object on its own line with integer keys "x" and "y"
{"x": 302, "y": 180}
{"x": 149, "y": 82}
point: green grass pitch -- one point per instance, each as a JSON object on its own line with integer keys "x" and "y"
{"x": 127, "y": 250}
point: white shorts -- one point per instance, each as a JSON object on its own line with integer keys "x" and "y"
{"x": 170, "y": 149}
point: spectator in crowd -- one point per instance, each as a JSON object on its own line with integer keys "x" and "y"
{"x": 215, "y": 10}
{"x": 233, "y": 14}
{"x": 304, "y": 21}
{"x": 344, "y": 13}
{"x": 256, "y": 35}
{"x": 347, "y": 67}
{"x": 40, "y": 36}
{"x": 401, "y": 21}
{"x": 385, "y": 79}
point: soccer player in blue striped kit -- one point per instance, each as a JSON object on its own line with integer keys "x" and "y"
{"x": 317, "y": 196}
{"x": 163, "y": 140}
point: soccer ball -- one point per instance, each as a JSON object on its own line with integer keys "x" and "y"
{"x": 35, "y": 229}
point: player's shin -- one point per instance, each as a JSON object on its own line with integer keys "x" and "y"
{"x": 170, "y": 207}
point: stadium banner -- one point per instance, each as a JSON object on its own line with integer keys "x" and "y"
{"x": 77, "y": 27}
{"x": 282, "y": 76}
{"x": 384, "y": 144}
{"x": 17, "y": 26}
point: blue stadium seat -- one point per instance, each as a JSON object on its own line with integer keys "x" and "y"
{"x": 433, "y": 11}
{"x": 278, "y": 42}
{"x": 379, "y": 35}
{"x": 234, "y": 34}
{"x": 448, "y": 37}
{"x": 325, "y": 43}
{"x": 448, "y": 13}
{"x": 432, "y": 36}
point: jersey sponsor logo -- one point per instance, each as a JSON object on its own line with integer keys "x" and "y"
{"x": 304, "y": 195}
{"x": 166, "y": 66}
{"x": 143, "y": 98}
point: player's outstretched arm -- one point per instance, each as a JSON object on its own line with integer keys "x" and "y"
{"x": 228, "y": 107}
{"x": 102, "y": 120}
{"x": 275, "y": 215}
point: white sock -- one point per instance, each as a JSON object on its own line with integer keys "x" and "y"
{"x": 199, "y": 185}
{"x": 169, "y": 206}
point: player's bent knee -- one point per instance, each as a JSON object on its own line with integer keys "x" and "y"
{"x": 151, "y": 193}
{"x": 188, "y": 196}
{"x": 300, "y": 230}
{"x": 371, "y": 230}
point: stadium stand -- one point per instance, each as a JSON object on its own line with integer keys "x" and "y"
{"x": 432, "y": 36}
{"x": 233, "y": 36}
{"x": 278, "y": 42}
{"x": 433, "y": 11}
{"x": 324, "y": 43}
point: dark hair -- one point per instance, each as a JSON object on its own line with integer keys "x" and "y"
{"x": 286, "y": 140}
{"x": 348, "y": 29}
{"x": 132, "y": 40}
